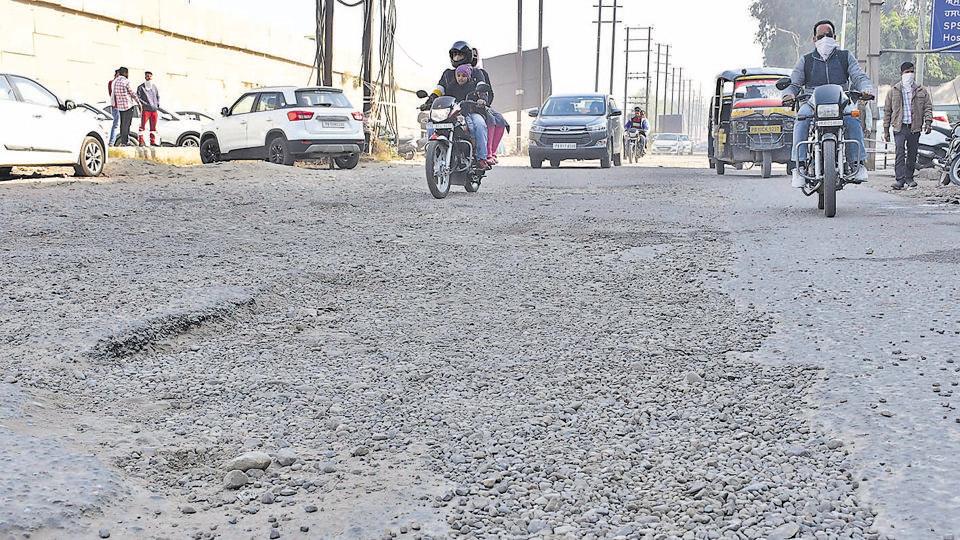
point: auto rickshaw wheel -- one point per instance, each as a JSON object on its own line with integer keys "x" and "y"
{"x": 721, "y": 167}
{"x": 767, "y": 167}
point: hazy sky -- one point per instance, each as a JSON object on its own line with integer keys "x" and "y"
{"x": 707, "y": 36}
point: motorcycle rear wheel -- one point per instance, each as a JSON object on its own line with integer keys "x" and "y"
{"x": 438, "y": 170}
{"x": 954, "y": 171}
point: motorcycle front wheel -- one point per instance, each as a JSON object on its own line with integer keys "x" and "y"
{"x": 954, "y": 171}
{"x": 830, "y": 178}
{"x": 438, "y": 170}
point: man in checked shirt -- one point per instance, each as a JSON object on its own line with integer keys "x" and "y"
{"x": 123, "y": 99}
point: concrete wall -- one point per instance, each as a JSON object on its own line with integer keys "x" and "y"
{"x": 200, "y": 60}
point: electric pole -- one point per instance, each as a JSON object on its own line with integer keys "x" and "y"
{"x": 626, "y": 71}
{"x": 673, "y": 86}
{"x": 596, "y": 77}
{"x": 519, "y": 75}
{"x": 679, "y": 99}
{"x": 656, "y": 91}
{"x": 921, "y": 43}
{"x": 613, "y": 43}
{"x": 324, "y": 37}
{"x": 600, "y": 22}
{"x": 540, "y": 49}
{"x": 666, "y": 81}
{"x": 868, "y": 54}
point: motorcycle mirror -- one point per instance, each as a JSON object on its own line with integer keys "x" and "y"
{"x": 422, "y": 94}
{"x": 784, "y": 83}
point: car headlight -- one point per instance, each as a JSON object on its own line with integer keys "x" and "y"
{"x": 828, "y": 111}
{"x": 440, "y": 115}
{"x": 597, "y": 127}
{"x": 537, "y": 128}
{"x": 739, "y": 126}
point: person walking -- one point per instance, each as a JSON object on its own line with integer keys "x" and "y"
{"x": 149, "y": 98}
{"x": 908, "y": 110}
{"x": 115, "y": 113}
{"x": 124, "y": 100}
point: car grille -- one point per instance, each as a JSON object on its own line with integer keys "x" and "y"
{"x": 572, "y": 135}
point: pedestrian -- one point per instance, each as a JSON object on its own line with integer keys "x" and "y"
{"x": 149, "y": 98}
{"x": 908, "y": 110}
{"x": 113, "y": 111}
{"x": 124, "y": 100}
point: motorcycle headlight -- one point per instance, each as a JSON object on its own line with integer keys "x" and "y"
{"x": 537, "y": 128}
{"x": 597, "y": 127}
{"x": 440, "y": 115}
{"x": 828, "y": 111}
{"x": 739, "y": 126}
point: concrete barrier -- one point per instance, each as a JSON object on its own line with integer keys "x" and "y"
{"x": 158, "y": 154}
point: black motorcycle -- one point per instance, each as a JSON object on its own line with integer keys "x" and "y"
{"x": 636, "y": 146}
{"x": 826, "y": 170}
{"x": 450, "y": 155}
{"x": 949, "y": 164}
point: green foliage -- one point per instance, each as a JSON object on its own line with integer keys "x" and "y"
{"x": 777, "y": 18}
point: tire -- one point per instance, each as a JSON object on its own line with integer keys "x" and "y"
{"x": 820, "y": 199}
{"x": 767, "y": 167}
{"x": 439, "y": 188}
{"x": 555, "y": 163}
{"x": 790, "y": 167}
{"x": 607, "y": 159}
{"x": 347, "y": 162}
{"x": 6, "y": 172}
{"x": 830, "y": 178}
{"x": 536, "y": 163}
{"x": 617, "y": 160}
{"x": 720, "y": 167}
{"x": 954, "y": 172}
{"x": 471, "y": 185}
{"x": 278, "y": 151}
{"x": 630, "y": 153}
{"x": 210, "y": 151}
{"x": 93, "y": 158}
{"x": 189, "y": 141}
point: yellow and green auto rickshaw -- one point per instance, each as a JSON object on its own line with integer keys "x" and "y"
{"x": 748, "y": 122}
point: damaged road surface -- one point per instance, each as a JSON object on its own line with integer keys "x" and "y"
{"x": 244, "y": 350}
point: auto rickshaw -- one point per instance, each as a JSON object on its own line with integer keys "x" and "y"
{"x": 748, "y": 122}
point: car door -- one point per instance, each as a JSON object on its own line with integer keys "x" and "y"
{"x": 13, "y": 146}
{"x": 615, "y": 126}
{"x": 232, "y": 129}
{"x": 263, "y": 119}
{"x": 47, "y": 131}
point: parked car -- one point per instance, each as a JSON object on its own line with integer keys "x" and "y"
{"x": 38, "y": 129}
{"x": 172, "y": 129}
{"x": 672, "y": 143}
{"x": 104, "y": 119}
{"x": 284, "y": 124}
{"x": 577, "y": 126}
{"x": 195, "y": 115}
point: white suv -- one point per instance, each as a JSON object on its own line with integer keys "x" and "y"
{"x": 38, "y": 130}
{"x": 284, "y": 124}
{"x": 173, "y": 130}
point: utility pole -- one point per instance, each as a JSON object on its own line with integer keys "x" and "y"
{"x": 844, "y": 7}
{"x": 540, "y": 49}
{"x": 613, "y": 43}
{"x": 673, "y": 86}
{"x": 868, "y": 54}
{"x": 666, "y": 81}
{"x": 325, "y": 40}
{"x": 600, "y": 22}
{"x": 921, "y": 43}
{"x": 366, "y": 69}
{"x": 646, "y": 94}
{"x": 656, "y": 92}
{"x": 596, "y": 77}
{"x": 519, "y": 75}
{"x": 679, "y": 99}
{"x": 627, "y": 76}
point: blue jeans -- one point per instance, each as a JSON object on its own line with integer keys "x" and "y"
{"x": 114, "y": 127}
{"x": 853, "y": 130}
{"x": 478, "y": 127}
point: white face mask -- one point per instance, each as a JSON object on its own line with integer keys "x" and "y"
{"x": 826, "y": 46}
{"x": 908, "y": 78}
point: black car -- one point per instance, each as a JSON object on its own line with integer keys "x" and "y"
{"x": 577, "y": 126}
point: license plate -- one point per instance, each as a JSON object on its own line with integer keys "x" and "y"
{"x": 564, "y": 146}
{"x": 830, "y": 123}
{"x": 443, "y": 126}
{"x": 761, "y": 130}
{"x": 334, "y": 125}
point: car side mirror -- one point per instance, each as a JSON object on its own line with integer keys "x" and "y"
{"x": 534, "y": 113}
{"x": 69, "y": 105}
{"x": 615, "y": 113}
{"x": 225, "y": 112}
{"x": 422, "y": 94}
{"x": 784, "y": 83}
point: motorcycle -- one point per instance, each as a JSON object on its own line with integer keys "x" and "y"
{"x": 636, "y": 144}
{"x": 450, "y": 156}
{"x": 826, "y": 170}
{"x": 949, "y": 166}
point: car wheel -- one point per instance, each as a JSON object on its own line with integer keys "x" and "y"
{"x": 607, "y": 158}
{"x": 5, "y": 172}
{"x": 347, "y": 162}
{"x": 555, "y": 163}
{"x": 93, "y": 157}
{"x": 278, "y": 151}
{"x": 617, "y": 160}
{"x": 210, "y": 151}
{"x": 190, "y": 141}
{"x": 536, "y": 163}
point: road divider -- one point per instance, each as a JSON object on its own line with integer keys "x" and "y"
{"x": 181, "y": 156}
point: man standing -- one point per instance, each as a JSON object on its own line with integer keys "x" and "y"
{"x": 124, "y": 100}
{"x": 116, "y": 114}
{"x": 149, "y": 98}
{"x": 827, "y": 64}
{"x": 908, "y": 109}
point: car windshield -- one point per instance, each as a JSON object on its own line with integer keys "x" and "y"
{"x": 574, "y": 106}
{"x": 668, "y": 137}
{"x": 757, "y": 93}
{"x": 322, "y": 98}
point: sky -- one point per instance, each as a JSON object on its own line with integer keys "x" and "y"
{"x": 706, "y": 36}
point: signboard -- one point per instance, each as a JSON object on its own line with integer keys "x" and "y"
{"x": 945, "y": 25}
{"x": 670, "y": 123}
{"x": 503, "y": 75}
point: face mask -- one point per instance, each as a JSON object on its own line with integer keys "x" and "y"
{"x": 826, "y": 46}
{"x": 908, "y": 78}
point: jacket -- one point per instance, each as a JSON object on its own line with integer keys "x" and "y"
{"x": 840, "y": 68}
{"x": 921, "y": 107}
{"x": 149, "y": 97}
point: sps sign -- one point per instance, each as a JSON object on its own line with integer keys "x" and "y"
{"x": 945, "y": 20}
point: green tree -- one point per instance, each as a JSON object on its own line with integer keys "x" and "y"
{"x": 784, "y": 23}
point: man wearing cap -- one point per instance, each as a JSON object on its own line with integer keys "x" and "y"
{"x": 907, "y": 110}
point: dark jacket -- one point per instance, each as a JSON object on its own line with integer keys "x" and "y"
{"x": 452, "y": 88}
{"x": 840, "y": 68}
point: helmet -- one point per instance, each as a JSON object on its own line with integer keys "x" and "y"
{"x": 637, "y": 110}
{"x": 476, "y": 57}
{"x": 463, "y": 48}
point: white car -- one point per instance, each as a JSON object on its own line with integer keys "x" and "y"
{"x": 172, "y": 129}
{"x": 37, "y": 129}
{"x": 672, "y": 143}
{"x": 284, "y": 124}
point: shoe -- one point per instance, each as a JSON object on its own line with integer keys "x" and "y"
{"x": 483, "y": 165}
{"x": 912, "y": 184}
{"x": 492, "y": 160}
{"x": 945, "y": 179}
{"x": 861, "y": 176}
{"x": 797, "y": 181}
{"x": 897, "y": 186}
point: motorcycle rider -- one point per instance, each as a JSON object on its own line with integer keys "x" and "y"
{"x": 460, "y": 81}
{"x": 639, "y": 122}
{"x": 827, "y": 64}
